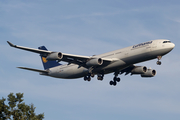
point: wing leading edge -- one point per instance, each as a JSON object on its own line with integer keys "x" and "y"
{"x": 30, "y": 49}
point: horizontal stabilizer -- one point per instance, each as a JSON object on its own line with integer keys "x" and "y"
{"x": 35, "y": 70}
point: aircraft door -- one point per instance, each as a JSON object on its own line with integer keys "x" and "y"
{"x": 153, "y": 46}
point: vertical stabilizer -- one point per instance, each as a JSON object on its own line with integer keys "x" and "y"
{"x": 48, "y": 64}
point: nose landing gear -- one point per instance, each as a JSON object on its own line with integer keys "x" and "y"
{"x": 159, "y": 62}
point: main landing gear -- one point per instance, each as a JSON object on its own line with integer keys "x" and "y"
{"x": 88, "y": 77}
{"x": 159, "y": 58}
{"x": 115, "y": 80}
{"x": 100, "y": 76}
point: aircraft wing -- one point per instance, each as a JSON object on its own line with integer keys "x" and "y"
{"x": 70, "y": 58}
{"x": 76, "y": 59}
{"x": 30, "y": 49}
{"x": 81, "y": 60}
{"x": 127, "y": 70}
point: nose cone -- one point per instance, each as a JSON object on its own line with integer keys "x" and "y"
{"x": 173, "y": 45}
{"x": 169, "y": 47}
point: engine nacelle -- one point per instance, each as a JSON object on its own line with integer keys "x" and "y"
{"x": 149, "y": 73}
{"x": 95, "y": 62}
{"x": 55, "y": 56}
{"x": 139, "y": 70}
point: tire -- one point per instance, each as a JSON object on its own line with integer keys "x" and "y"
{"x": 85, "y": 78}
{"x": 111, "y": 82}
{"x": 114, "y": 83}
{"x": 118, "y": 79}
{"x": 159, "y": 63}
{"x": 89, "y": 79}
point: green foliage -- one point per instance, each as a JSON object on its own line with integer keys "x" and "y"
{"x": 17, "y": 109}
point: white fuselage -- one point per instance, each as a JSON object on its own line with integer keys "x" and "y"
{"x": 121, "y": 59}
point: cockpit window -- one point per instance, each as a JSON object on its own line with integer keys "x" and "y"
{"x": 167, "y": 42}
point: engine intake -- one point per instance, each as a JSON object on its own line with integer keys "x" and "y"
{"x": 149, "y": 73}
{"x": 95, "y": 62}
{"x": 139, "y": 70}
{"x": 55, "y": 56}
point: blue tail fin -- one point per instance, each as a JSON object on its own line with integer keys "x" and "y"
{"x": 47, "y": 64}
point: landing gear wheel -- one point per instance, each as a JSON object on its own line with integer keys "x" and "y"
{"x": 100, "y": 78}
{"x": 89, "y": 79}
{"x": 85, "y": 78}
{"x": 159, "y": 63}
{"x": 114, "y": 83}
{"x": 118, "y": 79}
{"x": 92, "y": 75}
{"x": 111, "y": 82}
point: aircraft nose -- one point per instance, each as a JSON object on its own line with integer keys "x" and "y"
{"x": 172, "y": 45}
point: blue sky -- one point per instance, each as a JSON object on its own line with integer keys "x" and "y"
{"x": 86, "y": 27}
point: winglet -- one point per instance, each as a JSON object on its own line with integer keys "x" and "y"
{"x": 12, "y": 45}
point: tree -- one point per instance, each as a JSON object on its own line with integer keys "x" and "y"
{"x": 17, "y": 109}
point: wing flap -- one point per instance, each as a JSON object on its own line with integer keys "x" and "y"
{"x": 75, "y": 58}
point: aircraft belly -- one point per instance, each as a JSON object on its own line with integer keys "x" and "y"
{"x": 68, "y": 72}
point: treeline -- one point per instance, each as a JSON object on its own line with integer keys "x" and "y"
{"x": 16, "y": 109}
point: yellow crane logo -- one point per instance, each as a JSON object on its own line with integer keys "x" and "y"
{"x": 44, "y": 60}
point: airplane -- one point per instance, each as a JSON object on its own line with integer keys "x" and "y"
{"x": 117, "y": 62}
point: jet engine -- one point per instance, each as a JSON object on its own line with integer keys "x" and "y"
{"x": 139, "y": 70}
{"x": 55, "y": 56}
{"x": 149, "y": 73}
{"x": 94, "y": 62}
